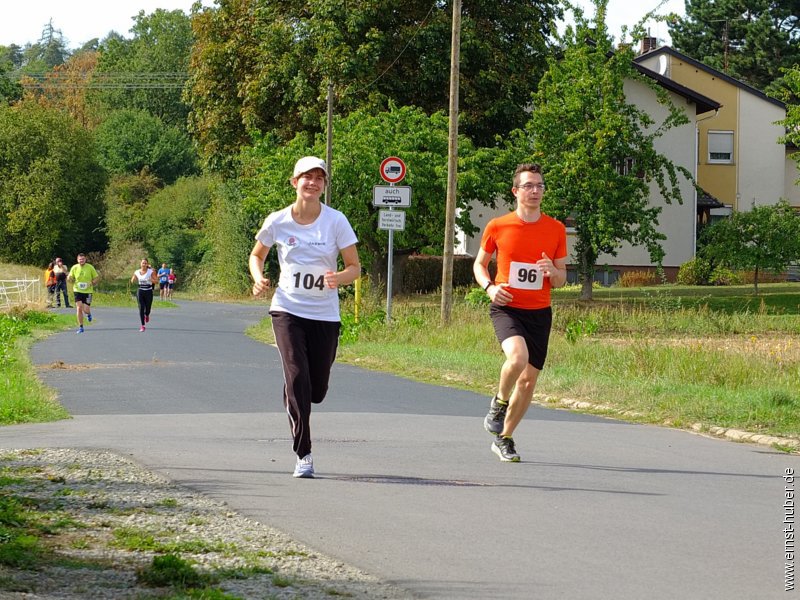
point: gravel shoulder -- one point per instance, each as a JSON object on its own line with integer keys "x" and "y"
{"x": 105, "y": 497}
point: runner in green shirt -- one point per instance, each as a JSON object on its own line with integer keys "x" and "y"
{"x": 84, "y": 277}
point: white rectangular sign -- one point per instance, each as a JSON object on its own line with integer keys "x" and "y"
{"x": 392, "y": 219}
{"x": 391, "y": 195}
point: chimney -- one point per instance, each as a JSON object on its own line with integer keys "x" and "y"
{"x": 648, "y": 44}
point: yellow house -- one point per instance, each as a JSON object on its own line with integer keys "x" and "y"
{"x": 739, "y": 159}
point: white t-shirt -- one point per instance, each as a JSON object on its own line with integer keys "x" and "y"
{"x": 146, "y": 280}
{"x": 305, "y": 254}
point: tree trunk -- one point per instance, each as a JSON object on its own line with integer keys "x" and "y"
{"x": 586, "y": 262}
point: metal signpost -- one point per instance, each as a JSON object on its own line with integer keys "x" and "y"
{"x": 392, "y": 171}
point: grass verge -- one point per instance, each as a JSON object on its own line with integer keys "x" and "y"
{"x": 683, "y": 357}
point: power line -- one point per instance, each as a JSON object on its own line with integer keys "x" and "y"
{"x": 60, "y": 80}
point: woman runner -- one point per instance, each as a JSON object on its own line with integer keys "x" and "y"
{"x": 147, "y": 278}
{"x": 309, "y": 237}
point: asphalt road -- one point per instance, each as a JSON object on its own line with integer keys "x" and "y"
{"x": 407, "y": 488}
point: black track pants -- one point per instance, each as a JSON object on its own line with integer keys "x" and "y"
{"x": 308, "y": 349}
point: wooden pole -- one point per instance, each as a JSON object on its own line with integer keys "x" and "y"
{"x": 452, "y": 169}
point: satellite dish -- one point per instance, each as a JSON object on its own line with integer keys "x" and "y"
{"x": 663, "y": 65}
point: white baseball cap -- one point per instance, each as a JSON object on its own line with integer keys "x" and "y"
{"x": 309, "y": 163}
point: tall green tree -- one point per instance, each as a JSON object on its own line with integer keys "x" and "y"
{"x": 173, "y": 224}
{"x": 10, "y": 90}
{"x": 751, "y": 40}
{"x": 583, "y": 130}
{"x": 763, "y": 238}
{"x": 362, "y": 141}
{"x": 264, "y": 67}
{"x": 51, "y": 185}
{"x": 147, "y": 72}
{"x": 791, "y": 95}
{"x": 130, "y": 141}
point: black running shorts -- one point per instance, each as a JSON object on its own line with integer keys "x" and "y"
{"x": 532, "y": 325}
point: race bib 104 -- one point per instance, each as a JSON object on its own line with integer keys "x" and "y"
{"x": 525, "y": 276}
{"x": 304, "y": 280}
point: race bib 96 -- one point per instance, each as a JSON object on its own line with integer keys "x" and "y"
{"x": 304, "y": 280}
{"x": 525, "y": 276}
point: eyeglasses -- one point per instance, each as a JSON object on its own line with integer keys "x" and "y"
{"x": 531, "y": 186}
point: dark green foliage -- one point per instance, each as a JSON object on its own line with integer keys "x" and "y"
{"x": 125, "y": 200}
{"x": 172, "y": 223}
{"x": 51, "y": 186}
{"x": 229, "y": 235}
{"x": 134, "y": 141}
{"x": 160, "y": 45}
{"x": 763, "y": 238}
{"x": 751, "y": 40}
{"x": 362, "y": 141}
{"x": 422, "y": 274}
{"x": 264, "y": 67}
{"x": 694, "y": 272}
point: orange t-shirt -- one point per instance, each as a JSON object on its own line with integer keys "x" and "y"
{"x": 519, "y": 245}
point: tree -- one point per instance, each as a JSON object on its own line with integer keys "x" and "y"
{"x": 764, "y": 238}
{"x": 583, "y": 130}
{"x": 130, "y": 141}
{"x": 172, "y": 223}
{"x": 48, "y": 52}
{"x": 66, "y": 87}
{"x": 10, "y": 91}
{"x": 751, "y": 40}
{"x": 50, "y": 186}
{"x": 147, "y": 72}
{"x": 791, "y": 86}
{"x": 362, "y": 141}
{"x": 262, "y": 67}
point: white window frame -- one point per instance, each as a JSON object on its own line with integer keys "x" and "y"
{"x": 722, "y": 144}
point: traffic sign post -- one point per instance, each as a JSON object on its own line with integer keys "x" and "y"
{"x": 393, "y": 170}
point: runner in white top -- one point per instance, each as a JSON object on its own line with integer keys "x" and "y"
{"x": 146, "y": 278}
{"x": 309, "y": 237}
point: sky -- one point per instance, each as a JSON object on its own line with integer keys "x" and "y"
{"x": 82, "y": 20}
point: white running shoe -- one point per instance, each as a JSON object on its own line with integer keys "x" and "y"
{"x": 304, "y": 467}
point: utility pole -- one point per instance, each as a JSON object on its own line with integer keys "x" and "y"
{"x": 329, "y": 147}
{"x": 452, "y": 168}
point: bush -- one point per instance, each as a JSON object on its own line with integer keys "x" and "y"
{"x": 694, "y": 272}
{"x": 630, "y": 279}
{"x": 477, "y": 297}
{"x": 423, "y": 274}
{"x": 724, "y": 276}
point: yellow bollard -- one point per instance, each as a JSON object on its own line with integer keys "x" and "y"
{"x": 358, "y": 297}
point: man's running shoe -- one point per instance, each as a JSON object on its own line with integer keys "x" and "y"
{"x": 80, "y": 329}
{"x": 304, "y": 467}
{"x": 493, "y": 423}
{"x": 89, "y": 316}
{"x": 504, "y": 448}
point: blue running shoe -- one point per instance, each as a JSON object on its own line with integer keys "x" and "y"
{"x": 89, "y": 316}
{"x": 80, "y": 329}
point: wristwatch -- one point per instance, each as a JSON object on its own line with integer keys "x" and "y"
{"x": 488, "y": 283}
